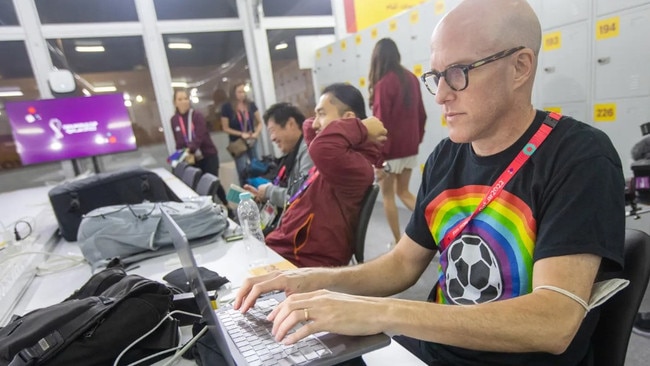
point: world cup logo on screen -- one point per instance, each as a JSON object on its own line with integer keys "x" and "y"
{"x": 55, "y": 125}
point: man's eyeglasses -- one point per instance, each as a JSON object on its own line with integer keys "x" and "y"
{"x": 456, "y": 76}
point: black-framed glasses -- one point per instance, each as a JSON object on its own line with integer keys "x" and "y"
{"x": 457, "y": 76}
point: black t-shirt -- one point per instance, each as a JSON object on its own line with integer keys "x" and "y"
{"x": 239, "y": 121}
{"x": 568, "y": 198}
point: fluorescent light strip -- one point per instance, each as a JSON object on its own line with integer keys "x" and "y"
{"x": 11, "y": 93}
{"x": 104, "y": 89}
{"x": 89, "y": 48}
{"x": 179, "y": 46}
{"x": 179, "y": 84}
{"x": 281, "y": 46}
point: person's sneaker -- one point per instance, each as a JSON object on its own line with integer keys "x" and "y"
{"x": 642, "y": 324}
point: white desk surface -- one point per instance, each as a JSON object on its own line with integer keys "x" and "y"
{"x": 228, "y": 259}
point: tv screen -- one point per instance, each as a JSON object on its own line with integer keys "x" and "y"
{"x": 70, "y": 128}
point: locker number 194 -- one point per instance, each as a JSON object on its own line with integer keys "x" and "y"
{"x": 608, "y": 28}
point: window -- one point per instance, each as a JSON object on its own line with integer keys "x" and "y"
{"x": 278, "y": 8}
{"x": 195, "y": 9}
{"x": 7, "y": 13}
{"x": 292, "y": 84}
{"x": 16, "y": 83}
{"x": 86, "y": 11}
{"x": 214, "y": 61}
{"x": 114, "y": 65}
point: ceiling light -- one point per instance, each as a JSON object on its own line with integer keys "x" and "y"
{"x": 179, "y": 84}
{"x": 179, "y": 46}
{"x": 11, "y": 92}
{"x": 86, "y": 92}
{"x": 104, "y": 89}
{"x": 139, "y": 98}
{"x": 89, "y": 48}
{"x": 281, "y": 46}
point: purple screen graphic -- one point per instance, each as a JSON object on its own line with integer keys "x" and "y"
{"x": 70, "y": 128}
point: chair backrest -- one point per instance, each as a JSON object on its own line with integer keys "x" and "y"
{"x": 179, "y": 169}
{"x": 367, "y": 205}
{"x": 612, "y": 334}
{"x": 191, "y": 176}
{"x": 207, "y": 185}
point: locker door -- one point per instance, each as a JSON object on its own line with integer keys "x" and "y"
{"x": 563, "y": 75}
{"x": 622, "y": 55}
{"x": 578, "y": 111}
{"x": 346, "y": 60}
{"x": 556, "y": 13}
{"x": 610, "y": 6}
{"x": 622, "y": 126}
{"x": 421, "y": 22}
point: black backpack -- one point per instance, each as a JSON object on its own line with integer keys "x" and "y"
{"x": 94, "y": 325}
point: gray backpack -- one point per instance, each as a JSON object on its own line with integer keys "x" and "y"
{"x": 128, "y": 230}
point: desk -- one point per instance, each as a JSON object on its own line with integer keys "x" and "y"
{"x": 17, "y": 273}
{"x": 228, "y": 259}
{"x": 179, "y": 187}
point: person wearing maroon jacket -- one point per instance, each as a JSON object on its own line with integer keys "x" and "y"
{"x": 318, "y": 224}
{"x": 191, "y": 131}
{"x": 396, "y": 100}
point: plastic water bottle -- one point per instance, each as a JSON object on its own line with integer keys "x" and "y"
{"x": 249, "y": 220}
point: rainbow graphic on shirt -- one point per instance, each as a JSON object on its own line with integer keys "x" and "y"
{"x": 492, "y": 258}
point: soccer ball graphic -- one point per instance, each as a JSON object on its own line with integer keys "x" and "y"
{"x": 473, "y": 275}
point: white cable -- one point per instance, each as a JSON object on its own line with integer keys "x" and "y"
{"x": 168, "y": 316}
{"x": 187, "y": 346}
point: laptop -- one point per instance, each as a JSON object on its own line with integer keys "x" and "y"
{"x": 246, "y": 337}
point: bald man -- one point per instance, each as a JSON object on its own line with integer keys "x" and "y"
{"x": 524, "y": 208}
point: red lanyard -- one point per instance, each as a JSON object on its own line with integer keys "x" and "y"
{"x": 280, "y": 175}
{"x": 190, "y": 126}
{"x": 243, "y": 118}
{"x": 551, "y": 120}
{"x": 313, "y": 173}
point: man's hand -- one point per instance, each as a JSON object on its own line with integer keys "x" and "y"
{"x": 259, "y": 193}
{"x": 328, "y": 311}
{"x": 376, "y": 131}
{"x": 293, "y": 281}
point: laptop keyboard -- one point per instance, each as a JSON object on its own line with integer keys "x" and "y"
{"x": 251, "y": 332}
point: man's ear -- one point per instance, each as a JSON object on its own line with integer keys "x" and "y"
{"x": 349, "y": 114}
{"x": 524, "y": 66}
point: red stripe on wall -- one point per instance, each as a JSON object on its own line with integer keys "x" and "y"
{"x": 350, "y": 16}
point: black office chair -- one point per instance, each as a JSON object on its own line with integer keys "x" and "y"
{"x": 367, "y": 205}
{"x": 612, "y": 334}
{"x": 191, "y": 176}
{"x": 207, "y": 185}
{"x": 179, "y": 169}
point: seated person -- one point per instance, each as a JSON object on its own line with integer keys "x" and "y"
{"x": 318, "y": 223}
{"x": 284, "y": 124}
{"x": 522, "y": 226}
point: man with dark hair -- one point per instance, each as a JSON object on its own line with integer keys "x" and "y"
{"x": 284, "y": 124}
{"x": 318, "y": 223}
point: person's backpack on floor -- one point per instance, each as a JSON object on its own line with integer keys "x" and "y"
{"x": 94, "y": 325}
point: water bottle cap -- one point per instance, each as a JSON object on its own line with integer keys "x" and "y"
{"x": 245, "y": 196}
